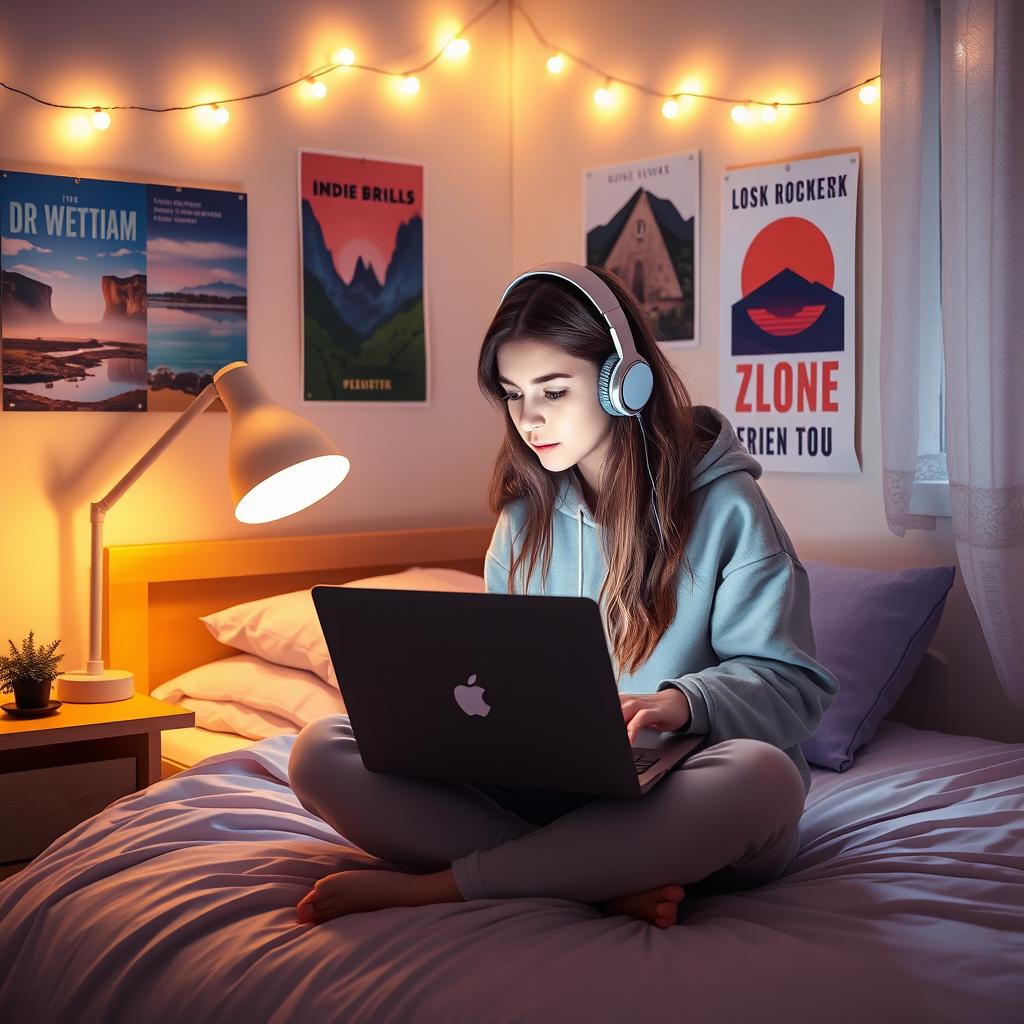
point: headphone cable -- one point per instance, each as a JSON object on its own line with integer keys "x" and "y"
{"x": 654, "y": 486}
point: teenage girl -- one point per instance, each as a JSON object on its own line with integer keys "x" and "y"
{"x": 630, "y": 495}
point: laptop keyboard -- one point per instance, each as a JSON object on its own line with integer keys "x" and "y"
{"x": 642, "y": 761}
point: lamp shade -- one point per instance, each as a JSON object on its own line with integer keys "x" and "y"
{"x": 278, "y": 462}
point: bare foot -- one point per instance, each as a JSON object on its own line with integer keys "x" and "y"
{"x": 656, "y": 906}
{"x": 351, "y": 892}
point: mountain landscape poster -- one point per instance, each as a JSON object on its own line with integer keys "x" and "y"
{"x": 787, "y": 367}
{"x": 642, "y": 222}
{"x": 363, "y": 296}
{"x": 117, "y": 296}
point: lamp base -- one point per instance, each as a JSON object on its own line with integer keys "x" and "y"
{"x": 95, "y": 687}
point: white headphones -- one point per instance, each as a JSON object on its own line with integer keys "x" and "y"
{"x": 625, "y": 381}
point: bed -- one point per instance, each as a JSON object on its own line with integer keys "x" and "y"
{"x": 905, "y": 901}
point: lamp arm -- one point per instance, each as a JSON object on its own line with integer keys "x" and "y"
{"x": 99, "y": 509}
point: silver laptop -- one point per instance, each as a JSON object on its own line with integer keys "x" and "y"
{"x": 508, "y": 689}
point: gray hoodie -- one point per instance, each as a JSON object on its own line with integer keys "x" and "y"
{"x": 741, "y": 646}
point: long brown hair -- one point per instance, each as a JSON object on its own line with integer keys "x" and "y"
{"x": 639, "y": 593}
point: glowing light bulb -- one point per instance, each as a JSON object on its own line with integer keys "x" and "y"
{"x": 740, "y": 114}
{"x": 317, "y": 89}
{"x": 219, "y": 114}
{"x": 458, "y": 47}
{"x": 868, "y": 94}
{"x": 556, "y": 63}
{"x": 100, "y": 119}
{"x": 769, "y": 115}
{"x": 410, "y": 85}
{"x": 603, "y": 95}
{"x": 669, "y": 109}
{"x": 345, "y": 56}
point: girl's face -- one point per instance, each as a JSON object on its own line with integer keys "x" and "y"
{"x": 562, "y": 410}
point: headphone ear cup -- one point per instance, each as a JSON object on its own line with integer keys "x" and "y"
{"x": 604, "y": 380}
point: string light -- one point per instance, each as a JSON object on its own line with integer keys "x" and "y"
{"x": 868, "y": 93}
{"x": 742, "y": 112}
{"x": 556, "y": 63}
{"x": 458, "y": 47}
{"x": 214, "y": 113}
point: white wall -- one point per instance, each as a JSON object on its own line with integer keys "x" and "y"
{"x": 504, "y": 145}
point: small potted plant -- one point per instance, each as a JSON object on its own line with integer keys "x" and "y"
{"x": 29, "y": 672}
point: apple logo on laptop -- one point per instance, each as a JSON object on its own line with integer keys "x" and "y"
{"x": 471, "y": 698}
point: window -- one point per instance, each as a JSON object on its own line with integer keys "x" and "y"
{"x": 930, "y": 494}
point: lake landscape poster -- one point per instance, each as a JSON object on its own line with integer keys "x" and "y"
{"x": 117, "y": 296}
{"x": 197, "y": 290}
{"x": 73, "y": 280}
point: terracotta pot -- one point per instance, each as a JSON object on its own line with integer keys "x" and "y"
{"x": 30, "y": 694}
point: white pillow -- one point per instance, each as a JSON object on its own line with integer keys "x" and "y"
{"x": 227, "y": 716}
{"x": 288, "y": 694}
{"x": 284, "y": 628}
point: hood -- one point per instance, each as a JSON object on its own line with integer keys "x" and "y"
{"x": 726, "y": 455}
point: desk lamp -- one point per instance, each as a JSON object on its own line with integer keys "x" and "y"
{"x": 278, "y": 464}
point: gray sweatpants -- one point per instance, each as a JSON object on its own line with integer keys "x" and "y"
{"x": 727, "y": 818}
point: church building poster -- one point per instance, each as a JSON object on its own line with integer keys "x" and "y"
{"x": 642, "y": 222}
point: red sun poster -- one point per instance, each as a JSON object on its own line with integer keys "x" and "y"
{"x": 787, "y": 356}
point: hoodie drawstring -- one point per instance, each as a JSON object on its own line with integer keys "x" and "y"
{"x": 579, "y": 550}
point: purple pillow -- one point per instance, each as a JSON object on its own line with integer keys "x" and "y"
{"x": 871, "y": 629}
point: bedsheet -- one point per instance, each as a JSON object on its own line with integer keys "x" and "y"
{"x": 193, "y": 744}
{"x": 905, "y": 902}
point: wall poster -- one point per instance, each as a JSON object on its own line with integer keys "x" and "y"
{"x": 117, "y": 296}
{"x": 641, "y": 221}
{"x": 363, "y": 309}
{"x": 787, "y": 354}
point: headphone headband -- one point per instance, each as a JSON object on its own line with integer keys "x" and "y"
{"x": 601, "y": 297}
{"x": 625, "y": 381}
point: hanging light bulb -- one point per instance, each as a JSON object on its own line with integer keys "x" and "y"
{"x": 410, "y": 85}
{"x": 317, "y": 88}
{"x": 219, "y": 114}
{"x": 740, "y": 114}
{"x": 603, "y": 95}
{"x": 344, "y": 56}
{"x": 769, "y": 115}
{"x": 556, "y": 63}
{"x": 670, "y": 109}
{"x": 100, "y": 119}
{"x": 458, "y": 47}
{"x": 868, "y": 93}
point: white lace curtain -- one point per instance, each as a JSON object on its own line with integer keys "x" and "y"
{"x": 970, "y": 54}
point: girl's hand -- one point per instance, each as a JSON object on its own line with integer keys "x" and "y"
{"x": 665, "y": 711}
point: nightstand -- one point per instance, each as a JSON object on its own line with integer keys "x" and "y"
{"x": 59, "y": 770}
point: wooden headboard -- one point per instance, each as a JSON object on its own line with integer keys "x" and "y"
{"x": 155, "y": 593}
